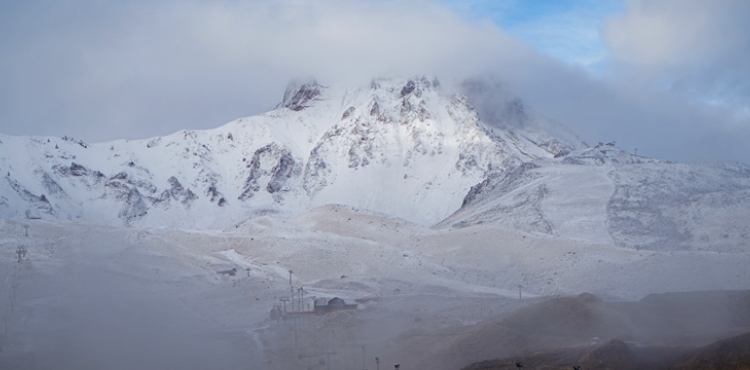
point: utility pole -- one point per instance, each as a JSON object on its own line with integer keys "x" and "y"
{"x": 300, "y": 298}
{"x": 291, "y": 298}
{"x": 295, "y": 331}
{"x": 291, "y": 290}
{"x": 285, "y": 300}
{"x": 248, "y": 271}
{"x": 519, "y": 291}
{"x": 377, "y": 362}
{"x": 26, "y": 227}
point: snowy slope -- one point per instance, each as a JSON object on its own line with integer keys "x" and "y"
{"x": 399, "y": 146}
{"x": 607, "y": 195}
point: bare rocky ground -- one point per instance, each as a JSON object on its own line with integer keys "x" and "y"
{"x": 125, "y": 298}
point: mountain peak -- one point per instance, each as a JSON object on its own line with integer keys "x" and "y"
{"x": 405, "y": 86}
{"x": 300, "y": 93}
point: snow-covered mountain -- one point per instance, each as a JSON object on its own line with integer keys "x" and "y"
{"x": 400, "y": 147}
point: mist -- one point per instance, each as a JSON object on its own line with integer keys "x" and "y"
{"x": 115, "y": 298}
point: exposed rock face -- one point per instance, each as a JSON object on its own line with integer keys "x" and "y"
{"x": 177, "y": 192}
{"x": 50, "y": 185}
{"x": 274, "y": 166}
{"x": 134, "y": 206}
{"x": 316, "y": 171}
{"x": 34, "y": 204}
{"x": 300, "y": 94}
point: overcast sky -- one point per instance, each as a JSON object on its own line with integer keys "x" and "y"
{"x": 669, "y": 77}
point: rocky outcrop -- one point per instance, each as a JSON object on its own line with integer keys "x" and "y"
{"x": 272, "y": 169}
{"x": 300, "y": 94}
{"x": 134, "y": 207}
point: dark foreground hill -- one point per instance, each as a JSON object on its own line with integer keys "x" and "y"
{"x": 727, "y": 354}
{"x": 687, "y": 330}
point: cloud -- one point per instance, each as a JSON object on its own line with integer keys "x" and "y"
{"x": 102, "y": 70}
{"x": 693, "y": 46}
{"x": 150, "y": 69}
